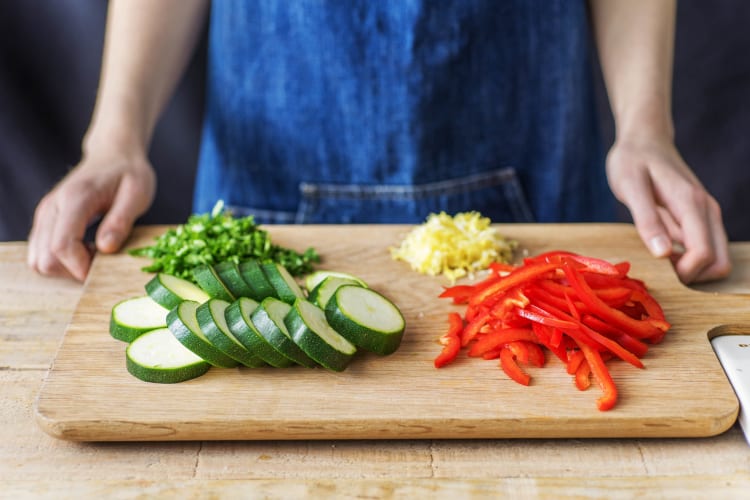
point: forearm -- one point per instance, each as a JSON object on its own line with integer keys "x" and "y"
{"x": 147, "y": 46}
{"x": 635, "y": 41}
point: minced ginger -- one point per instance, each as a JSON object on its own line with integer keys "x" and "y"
{"x": 454, "y": 246}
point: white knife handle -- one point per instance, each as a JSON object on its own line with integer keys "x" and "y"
{"x": 733, "y": 352}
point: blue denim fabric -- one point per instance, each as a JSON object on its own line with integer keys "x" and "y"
{"x": 385, "y": 111}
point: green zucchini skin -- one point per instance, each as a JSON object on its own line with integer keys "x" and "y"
{"x": 256, "y": 279}
{"x": 324, "y": 290}
{"x": 131, "y": 318}
{"x": 309, "y": 329}
{"x": 282, "y": 282}
{"x": 183, "y": 323}
{"x": 239, "y": 321}
{"x": 314, "y": 278}
{"x": 229, "y": 273}
{"x": 270, "y": 324}
{"x": 209, "y": 280}
{"x": 353, "y": 312}
{"x": 149, "y": 357}
{"x": 169, "y": 291}
{"x": 212, "y": 321}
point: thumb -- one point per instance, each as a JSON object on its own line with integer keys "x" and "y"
{"x": 131, "y": 200}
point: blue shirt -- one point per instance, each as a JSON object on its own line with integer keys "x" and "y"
{"x": 358, "y": 111}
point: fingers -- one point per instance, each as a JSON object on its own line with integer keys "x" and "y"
{"x": 706, "y": 255}
{"x": 132, "y": 199}
{"x": 637, "y": 192}
{"x": 39, "y": 257}
{"x": 66, "y": 243}
{"x": 673, "y": 213}
{"x": 120, "y": 191}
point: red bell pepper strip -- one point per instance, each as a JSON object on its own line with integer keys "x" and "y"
{"x": 582, "y": 332}
{"x": 603, "y": 378}
{"x": 472, "y": 329}
{"x": 517, "y": 277}
{"x": 536, "y": 355}
{"x": 574, "y": 361}
{"x": 546, "y": 337}
{"x": 637, "y": 328}
{"x": 632, "y": 344}
{"x": 459, "y": 293}
{"x": 511, "y": 368}
{"x": 451, "y": 341}
{"x": 519, "y": 350}
{"x": 582, "y": 374}
{"x": 499, "y": 338}
{"x": 537, "y": 315}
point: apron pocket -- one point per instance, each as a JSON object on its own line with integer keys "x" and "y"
{"x": 495, "y": 194}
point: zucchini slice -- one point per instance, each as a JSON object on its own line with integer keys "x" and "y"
{"x": 323, "y": 291}
{"x": 131, "y": 318}
{"x": 157, "y": 356}
{"x": 366, "y": 318}
{"x": 208, "y": 279}
{"x": 239, "y": 321}
{"x": 183, "y": 323}
{"x": 169, "y": 291}
{"x": 256, "y": 280}
{"x": 286, "y": 287}
{"x": 229, "y": 274}
{"x": 313, "y": 279}
{"x": 269, "y": 321}
{"x": 308, "y": 327}
{"x": 213, "y": 324}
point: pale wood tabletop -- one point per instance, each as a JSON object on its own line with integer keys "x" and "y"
{"x": 34, "y": 312}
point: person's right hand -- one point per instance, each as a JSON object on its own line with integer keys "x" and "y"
{"x": 116, "y": 188}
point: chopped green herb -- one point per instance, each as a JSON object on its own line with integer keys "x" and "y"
{"x": 219, "y": 237}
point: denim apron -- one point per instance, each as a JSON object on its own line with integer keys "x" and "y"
{"x": 361, "y": 111}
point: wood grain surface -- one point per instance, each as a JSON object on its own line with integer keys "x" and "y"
{"x": 89, "y": 396}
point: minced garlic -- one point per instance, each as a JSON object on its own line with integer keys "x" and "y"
{"x": 454, "y": 246}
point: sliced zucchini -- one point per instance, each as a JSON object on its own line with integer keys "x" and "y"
{"x": 229, "y": 274}
{"x": 239, "y": 321}
{"x": 157, "y": 356}
{"x": 169, "y": 290}
{"x": 366, "y": 318}
{"x": 256, "y": 280}
{"x": 308, "y": 327}
{"x": 269, "y": 321}
{"x": 324, "y": 290}
{"x": 313, "y": 279}
{"x": 208, "y": 279}
{"x": 213, "y": 324}
{"x": 182, "y": 322}
{"x": 286, "y": 287}
{"x": 131, "y": 318}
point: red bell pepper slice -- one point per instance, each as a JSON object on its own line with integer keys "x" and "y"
{"x": 517, "y": 277}
{"x": 546, "y": 337}
{"x": 451, "y": 341}
{"x": 582, "y": 376}
{"x": 603, "y": 378}
{"x": 538, "y": 315}
{"x": 499, "y": 338}
{"x": 574, "y": 361}
{"x": 637, "y": 328}
{"x": 583, "y": 333}
{"x": 511, "y": 368}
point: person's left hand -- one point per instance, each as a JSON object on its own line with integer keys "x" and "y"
{"x": 673, "y": 213}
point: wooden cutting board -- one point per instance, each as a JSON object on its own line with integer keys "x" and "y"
{"x": 88, "y": 394}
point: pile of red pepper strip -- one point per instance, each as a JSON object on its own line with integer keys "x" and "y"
{"x": 583, "y": 309}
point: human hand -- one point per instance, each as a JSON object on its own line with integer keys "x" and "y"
{"x": 117, "y": 188}
{"x": 673, "y": 213}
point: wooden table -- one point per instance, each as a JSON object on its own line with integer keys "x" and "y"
{"x": 35, "y": 310}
